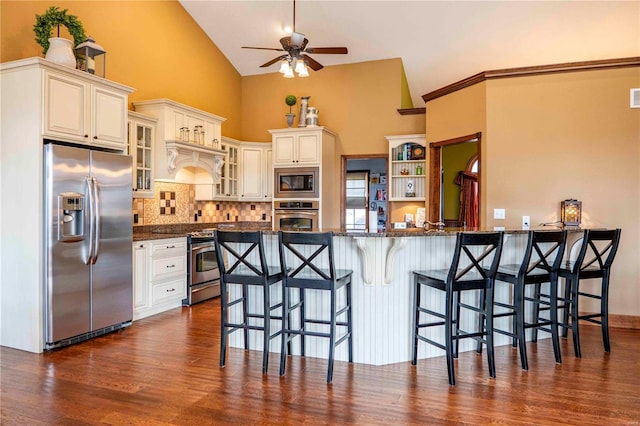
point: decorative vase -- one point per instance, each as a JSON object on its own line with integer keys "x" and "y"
{"x": 312, "y": 117}
{"x": 304, "y": 101}
{"x": 61, "y": 52}
{"x": 290, "y": 118}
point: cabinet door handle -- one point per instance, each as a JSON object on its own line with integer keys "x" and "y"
{"x": 171, "y": 246}
{"x": 95, "y": 137}
{"x": 169, "y": 290}
{"x": 86, "y": 136}
{"x": 171, "y": 266}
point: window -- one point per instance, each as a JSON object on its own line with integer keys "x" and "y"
{"x": 357, "y": 201}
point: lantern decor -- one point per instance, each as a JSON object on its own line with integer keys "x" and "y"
{"x": 571, "y": 213}
{"x": 92, "y": 58}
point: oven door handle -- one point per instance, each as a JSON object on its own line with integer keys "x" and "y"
{"x": 293, "y": 212}
{"x": 200, "y": 248}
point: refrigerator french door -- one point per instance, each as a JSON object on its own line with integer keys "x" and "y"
{"x": 88, "y": 236}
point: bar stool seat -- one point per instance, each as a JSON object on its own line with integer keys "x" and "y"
{"x": 467, "y": 272}
{"x": 242, "y": 261}
{"x": 540, "y": 263}
{"x": 594, "y": 261}
{"x": 308, "y": 260}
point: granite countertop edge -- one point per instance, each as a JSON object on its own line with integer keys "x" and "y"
{"x": 156, "y": 232}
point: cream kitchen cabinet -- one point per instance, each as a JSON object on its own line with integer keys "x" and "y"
{"x": 407, "y": 168}
{"x": 175, "y": 153}
{"x": 141, "y": 140}
{"x": 160, "y": 275}
{"x": 256, "y": 177}
{"x": 84, "y": 111}
{"x": 297, "y": 146}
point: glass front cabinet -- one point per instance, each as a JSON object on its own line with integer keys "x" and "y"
{"x": 407, "y": 168}
{"x": 141, "y": 134}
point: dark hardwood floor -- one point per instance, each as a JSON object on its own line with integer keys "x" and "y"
{"x": 164, "y": 370}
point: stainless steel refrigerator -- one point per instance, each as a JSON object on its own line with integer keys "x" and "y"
{"x": 88, "y": 237}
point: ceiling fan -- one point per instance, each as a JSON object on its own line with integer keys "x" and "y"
{"x": 296, "y": 46}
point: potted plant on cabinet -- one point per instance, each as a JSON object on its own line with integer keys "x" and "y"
{"x": 58, "y": 49}
{"x": 291, "y": 101}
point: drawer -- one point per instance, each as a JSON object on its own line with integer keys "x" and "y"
{"x": 171, "y": 290}
{"x": 168, "y": 266}
{"x": 167, "y": 248}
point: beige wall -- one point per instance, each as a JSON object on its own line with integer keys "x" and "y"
{"x": 152, "y": 46}
{"x": 458, "y": 114}
{"x": 558, "y": 136}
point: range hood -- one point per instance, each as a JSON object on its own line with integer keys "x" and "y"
{"x": 182, "y": 155}
{"x": 176, "y": 159}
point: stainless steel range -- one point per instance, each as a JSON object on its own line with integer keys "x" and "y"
{"x": 203, "y": 276}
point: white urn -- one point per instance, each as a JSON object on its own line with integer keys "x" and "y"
{"x": 61, "y": 52}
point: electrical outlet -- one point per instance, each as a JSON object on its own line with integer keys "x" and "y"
{"x": 526, "y": 222}
{"x": 499, "y": 213}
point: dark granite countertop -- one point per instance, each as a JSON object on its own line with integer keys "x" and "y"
{"x": 156, "y": 232}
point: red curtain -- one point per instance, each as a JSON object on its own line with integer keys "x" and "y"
{"x": 469, "y": 208}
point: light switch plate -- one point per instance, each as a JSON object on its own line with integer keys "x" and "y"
{"x": 399, "y": 225}
{"x": 526, "y": 222}
{"x": 499, "y": 213}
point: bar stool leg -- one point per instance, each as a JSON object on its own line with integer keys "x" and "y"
{"x": 285, "y": 343}
{"x": 537, "y": 290}
{"x": 488, "y": 316}
{"x": 604, "y": 310}
{"x": 267, "y": 327}
{"x": 519, "y": 294}
{"x": 245, "y": 318}
{"x": 416, "y": 319}
{"x": 350, "y": 322}
{"x": 303, "y": 320}
{"x": 481, "y": 318}
{"x": 448, "y": 329}
{"x": 456, "y": 321}
{"x": 574, "y": 319}
{"x": 223, "y": 333}
{"x": 567, "y": 302}
{"x": 332, "y": 336}
{"x": 553, "y": 316}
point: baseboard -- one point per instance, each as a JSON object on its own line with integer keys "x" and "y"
{"x": 620, "y": 321}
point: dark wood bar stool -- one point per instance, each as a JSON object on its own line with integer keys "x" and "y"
{"x": 474, "y": 265}
{"x": 594, "y": 261}
{"x": 540, "y": 264}
{"x": 308, "y": 261}
{"x": 242, "y": 261}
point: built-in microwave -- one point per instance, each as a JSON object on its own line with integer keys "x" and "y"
{"x": 296, "y": 182}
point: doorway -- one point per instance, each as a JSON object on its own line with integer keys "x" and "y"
{"x": 363, "y": 200}
{"x": 454, "y": 189}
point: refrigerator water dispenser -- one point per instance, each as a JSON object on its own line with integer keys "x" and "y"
{"x": 72, "y": 211}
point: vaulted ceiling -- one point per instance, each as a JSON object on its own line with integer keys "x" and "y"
{"x": 439, "y": 42}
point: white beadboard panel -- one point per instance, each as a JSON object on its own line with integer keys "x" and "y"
{"x": 382, "y": 313}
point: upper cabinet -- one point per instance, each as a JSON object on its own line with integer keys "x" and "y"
{"x": 256, "y": 165}
{"x": 407, "y": 168}
{"x": 297, "y": 147}
{"x": 186, "y": 137}
{"x": 76, "y": 107}
{"x": 141, "y": 140}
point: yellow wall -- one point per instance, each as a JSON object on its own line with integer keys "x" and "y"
{"x": 553, "y": 137}
{"x": 152, "y": 46}
{"x": 357, "y": 101}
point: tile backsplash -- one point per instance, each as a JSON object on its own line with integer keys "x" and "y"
{"x": 184, "y": 208}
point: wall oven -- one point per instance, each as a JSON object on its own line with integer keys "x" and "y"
{"x": 295, "y": 216}
{"x": 203, "y": 276}
{"x": 296, "y": 182}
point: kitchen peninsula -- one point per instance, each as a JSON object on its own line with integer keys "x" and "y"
{"x": 382, "y": 287}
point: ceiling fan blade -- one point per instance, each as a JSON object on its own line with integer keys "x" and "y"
{"x": 313, "y": 64}
{"x": 332, "y": 50}
{"x": 273, "y": 61}
{"x": 263, "y": 48}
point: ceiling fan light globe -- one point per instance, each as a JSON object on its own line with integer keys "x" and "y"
{"x": 304, "y": 72}
{"x": 300, "y": 66}
{"x": 289, "y": 72}
{"x": 284, "y": 66}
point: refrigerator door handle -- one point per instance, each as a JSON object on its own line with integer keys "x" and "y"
{"x": 97, "y": 219}
{"x": 92, "y": 221}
